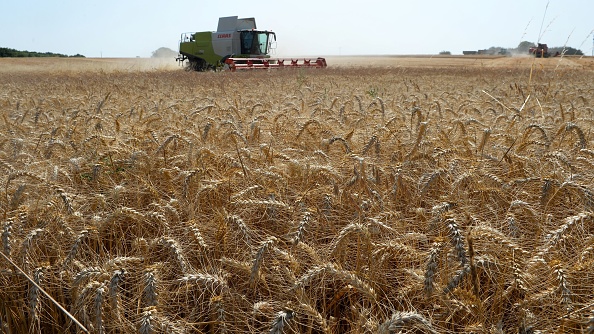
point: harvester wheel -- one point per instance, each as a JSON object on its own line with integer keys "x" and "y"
{"x": 197, "y": 64}
{"x": 223, "y": 66}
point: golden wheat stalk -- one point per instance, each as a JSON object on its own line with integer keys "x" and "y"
{"x": 39, "y": 289}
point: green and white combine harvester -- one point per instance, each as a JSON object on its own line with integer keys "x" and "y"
{"x": 237, "y": 44}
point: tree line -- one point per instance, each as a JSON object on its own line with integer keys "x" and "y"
{"x": 524, "y": 46}
{"x": 7, "y": 52}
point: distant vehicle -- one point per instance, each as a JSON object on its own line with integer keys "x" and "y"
{"x": 488, "y": 52}
{"x": 540, "y": 51}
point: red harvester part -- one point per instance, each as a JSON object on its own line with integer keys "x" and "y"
{"x": 265, "y": 63}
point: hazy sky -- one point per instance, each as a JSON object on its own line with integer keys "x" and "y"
{"x": 130, "y": 28}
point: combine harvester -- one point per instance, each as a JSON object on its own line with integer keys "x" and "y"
{"x": 540, "y": 51}
{"x": 236, "y": 45}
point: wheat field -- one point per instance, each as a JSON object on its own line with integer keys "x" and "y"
{"x": 354, "y": 199}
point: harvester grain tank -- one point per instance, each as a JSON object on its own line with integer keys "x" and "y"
{"x": 237, "y": 44}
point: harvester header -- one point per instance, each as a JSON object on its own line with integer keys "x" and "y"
{"x": 237, "y": 44}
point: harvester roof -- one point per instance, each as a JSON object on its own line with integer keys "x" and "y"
{"x": 233, "y": 23}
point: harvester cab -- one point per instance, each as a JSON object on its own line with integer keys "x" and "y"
{"x": 237, "y": 44}
{"x": 255, "y": 43}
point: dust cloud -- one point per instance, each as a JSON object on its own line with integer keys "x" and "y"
{"x": 70, "y": 65}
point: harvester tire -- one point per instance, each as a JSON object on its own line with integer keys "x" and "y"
{"x": 197, "y": 64}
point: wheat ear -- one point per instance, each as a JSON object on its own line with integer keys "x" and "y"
{"x": 563, "y": 287}
{"x": 401, "y": 320}
{"x": 99, "y": 297}
{"x": 281, "y": 320}
{"x": 147, "y": 320}
{"x": 30, "y": 238}
{"x": 34, "y": 296}
{"x": 269, "y": 203}
{"x": 6, "y": 236}
{"x": 79, "y": 239}
{"x": 216, "y": 304}
{"x": 311, "y": 311}
{"x": 457, "y": 241}
{"x": 175, "y": 248}
{"x": 255, "y": 273}
{"x": 198, "y": 237}
{"x": 431, "y": 267}
{"x": 114, "y": 287}
{"x": 582, "y": 138}
{"x": 346, "y": 276}
{"x": 85, "y": 274}
{"x": 305, "y": 219}
{"x": 234, "y": 220}
{"x": 457, "y": 279}
{"x": 420, "y": 135}
{"x": 214, "y": 283}
{"x": 352, "y": 228}
{"x": 149, "y": 291}
{"x": 305, "y": 125}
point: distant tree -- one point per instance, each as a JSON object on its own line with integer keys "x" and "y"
{"x": 524, "y": 46}
{"x": 567, "y": 51}
{"x": 497, "y": 50}
{"x": 164, "y": 53}
{"x": 7, "y": 52}
{"x": 445, "y": 53}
